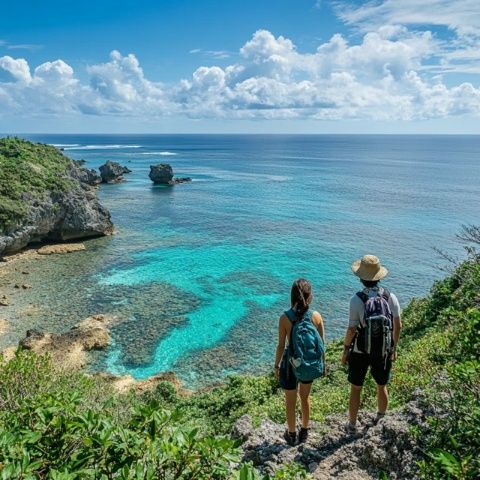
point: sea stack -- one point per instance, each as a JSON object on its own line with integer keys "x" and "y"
{"x": 162, "y": 174}
{"x": 112, "y": 172}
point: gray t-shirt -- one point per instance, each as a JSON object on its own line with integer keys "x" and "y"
{"x": 357, "y": 307}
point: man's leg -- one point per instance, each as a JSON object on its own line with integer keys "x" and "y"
{"x": 381, "y": 370}
{"x": 382, "y": 399}
{"x": 357, "y": 370}
{"x": 354, "y": 404}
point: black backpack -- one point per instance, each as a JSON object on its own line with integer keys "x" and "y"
{"x": 375, "y": 332}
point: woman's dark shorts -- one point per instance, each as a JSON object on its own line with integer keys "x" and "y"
{"x": 358, "y": 364}
{"x": 287, "y": 378}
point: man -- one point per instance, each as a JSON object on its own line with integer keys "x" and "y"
{"x": 364, "y": 345}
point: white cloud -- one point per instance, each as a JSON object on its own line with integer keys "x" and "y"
{"x": 384, "y": 76}
{"x": 14, "y": 70}
{"x": 218, "y": 54}
{"x": 25, "y": 46}
{"x": 461, "y": 17}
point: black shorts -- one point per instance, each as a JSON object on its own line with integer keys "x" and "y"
{"x": 358, "y": 364}
{"x": 287, "y": 378}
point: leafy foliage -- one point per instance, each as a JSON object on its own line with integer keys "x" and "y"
{"x": 55, "y": 425}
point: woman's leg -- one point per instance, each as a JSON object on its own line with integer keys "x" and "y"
{"x": 305, "y": 389}
{"x": 290, "y": 404}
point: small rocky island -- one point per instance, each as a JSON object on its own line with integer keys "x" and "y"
{"x": 46, "y": 196}
{"x": 112, "y": 172}
{"x": 162, "y": 174}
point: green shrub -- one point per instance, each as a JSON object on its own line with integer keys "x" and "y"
{"x": 454, "y": 443}
{"x": 64, "y": 425}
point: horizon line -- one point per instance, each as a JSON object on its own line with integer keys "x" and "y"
{"x": 242, "y": 133}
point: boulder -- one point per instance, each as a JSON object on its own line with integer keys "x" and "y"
{"x": 112, "y": 172}
{"x": 68, "y": 350}
{"x": 162, "y": 174}
{"x": 61, "y": 248}
{"x": 4, "y": 302}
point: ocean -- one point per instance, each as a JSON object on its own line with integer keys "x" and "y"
{"x": 198, "y": 274}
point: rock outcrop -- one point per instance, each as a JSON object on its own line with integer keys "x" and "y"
{"x": 69, "y": 211}
{"x": 162, "y": 174}
{"x": 126, "y": 383}
{"x": 68, "y": 350}
{"x": 330, "y": 453}
{"x": 112, "y": 172}
{"x": 86, "y": 175}
{"x": 61, "y": 248}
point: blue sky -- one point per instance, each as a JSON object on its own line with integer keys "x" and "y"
{"x": 252, "y": 66}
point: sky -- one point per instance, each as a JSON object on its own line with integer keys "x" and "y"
{"x": 229, "y": 66}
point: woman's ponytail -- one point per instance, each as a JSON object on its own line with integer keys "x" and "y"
{"x": 301, "y": 297}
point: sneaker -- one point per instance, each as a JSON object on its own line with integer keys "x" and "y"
{"x": 302, "y": 435}
{"x": 351, "y": 428}
{"x": 290, "y": 437}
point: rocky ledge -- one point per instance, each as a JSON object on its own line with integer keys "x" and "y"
{"x": 46, "y": 196}
{"x": 68, "y": 350}
{"x": 330, "y": 453}
{"x": 112, "y": 172}
{"x": 162, "y": 174}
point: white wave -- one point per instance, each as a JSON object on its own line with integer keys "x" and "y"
{"x": 101, "y": 147}
{"x": 163, "y": 154}
{"x": 62, "y": 145}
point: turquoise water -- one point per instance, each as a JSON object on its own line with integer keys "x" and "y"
{"x": 199, "y": 273}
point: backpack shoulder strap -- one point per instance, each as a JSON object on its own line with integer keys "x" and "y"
{"x": 290, "y": 315}
{"x": 386, "y": 294}
{"x": 362, "y": 296}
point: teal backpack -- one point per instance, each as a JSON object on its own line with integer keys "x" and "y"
{"x": 306, "y": 348}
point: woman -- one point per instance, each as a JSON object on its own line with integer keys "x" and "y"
{"x": 300, "y": 299}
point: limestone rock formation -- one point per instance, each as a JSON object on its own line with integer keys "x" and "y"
{"x": 126, "y": 383}
{"x": 162, "y": 174}
{"x": 68, "y": 350}
{"x": 112, "y": 172}
{"x": 64, "y": 208}
{"x": 61, "y": 248}
{"x": 330, "y": 453}
{"x": 85, "y": 175}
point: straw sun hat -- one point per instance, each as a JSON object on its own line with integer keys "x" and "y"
{"x": 369, "y": 268}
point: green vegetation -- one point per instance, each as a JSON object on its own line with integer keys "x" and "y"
{"x": 61, "y": 426}
{"x": 58, "y": 426}
{"x": 28, "y": 171}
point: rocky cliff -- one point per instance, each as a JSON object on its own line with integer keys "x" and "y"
{"x": 46, "y": 196}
